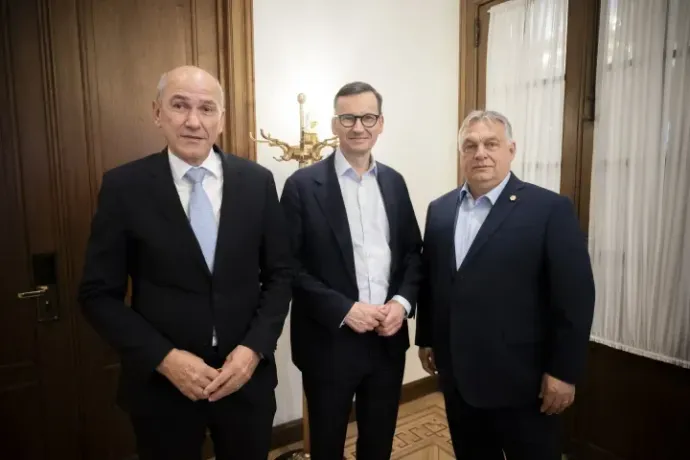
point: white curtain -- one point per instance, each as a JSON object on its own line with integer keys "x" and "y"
{"x": 525, "y": 81}
{"x": 639, "y": 233}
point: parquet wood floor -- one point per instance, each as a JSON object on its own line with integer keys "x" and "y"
{"x": 421, "y": 434}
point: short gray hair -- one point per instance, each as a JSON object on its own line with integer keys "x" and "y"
{"x": 486, "y": 115}
{"x": 163, "y": 82}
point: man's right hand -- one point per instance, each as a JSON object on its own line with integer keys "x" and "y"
{"x": 364, "y": 317}
{"x": 426, "y": 356}
{"x": 189, "y": 373}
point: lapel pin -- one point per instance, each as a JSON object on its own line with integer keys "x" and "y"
{"x": 513, "y": 198}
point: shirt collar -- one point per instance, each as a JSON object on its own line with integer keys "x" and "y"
{"x": 342, "y": 167}
{"x": 179, "y": 167}
{"x": 492, "y": 195}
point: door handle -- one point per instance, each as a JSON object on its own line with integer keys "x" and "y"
{"x": 45, "y": 300}
{"x": 39, "y": 292}
{"x": 45, "y": 294}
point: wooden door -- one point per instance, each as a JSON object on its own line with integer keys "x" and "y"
{"x": 76, "y": 84}
{"x": 38, "y": 406}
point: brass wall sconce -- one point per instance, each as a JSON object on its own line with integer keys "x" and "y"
{"x": 309, "y": 149}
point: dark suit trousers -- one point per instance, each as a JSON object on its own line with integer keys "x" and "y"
{"x": 375, "y": 380}
{"x": 523, "y": 433}
{"x": 240, "y": 429}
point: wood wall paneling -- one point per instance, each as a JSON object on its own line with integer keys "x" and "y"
{"x": 631, "y": 408}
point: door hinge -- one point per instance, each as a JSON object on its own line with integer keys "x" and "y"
{"x": 476, "y": 32}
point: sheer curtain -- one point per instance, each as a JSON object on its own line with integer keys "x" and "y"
{"x": 640, "y": 217}
{"x": 525, "y": 81}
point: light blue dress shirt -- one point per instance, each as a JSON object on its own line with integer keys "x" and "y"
{"x": 471, "y": 215}
{"x": 369, "y": 230}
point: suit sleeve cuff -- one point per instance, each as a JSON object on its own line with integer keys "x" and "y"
{"x": 403, "y": 301}
{"x": 342, "y": 323}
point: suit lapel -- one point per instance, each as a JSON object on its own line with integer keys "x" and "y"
{"x": 499, "y": 212}
{"x": 330, "y": 199}
{"x": 387, "y": 188}
{"x": 167, "y": 201}
{"x": 230, "y": 208}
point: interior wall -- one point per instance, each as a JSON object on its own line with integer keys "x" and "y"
{"x": 408, "y": 50}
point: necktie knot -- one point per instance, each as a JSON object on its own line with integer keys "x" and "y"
{"x": 196, "y": 175}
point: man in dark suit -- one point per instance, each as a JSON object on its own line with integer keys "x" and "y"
{"x": 200, "y": 235}
{"x": 356, "y": 240}
{"x": 506, "y": 307}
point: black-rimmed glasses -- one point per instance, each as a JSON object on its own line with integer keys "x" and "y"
{"x": 368, "y": 119}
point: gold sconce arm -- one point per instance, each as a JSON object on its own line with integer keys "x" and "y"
{"x": 308, "y": 150}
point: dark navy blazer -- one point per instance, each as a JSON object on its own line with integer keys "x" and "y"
{"x": 325, "y": 286}
{"x": 521, "y": 303}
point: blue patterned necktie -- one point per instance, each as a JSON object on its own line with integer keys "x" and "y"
{"x": 201, "y": 216}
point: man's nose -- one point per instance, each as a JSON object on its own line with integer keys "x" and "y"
{"x": 358, "y": 126}
{"x": 481, "y": 152}
{"x": 192, "y": 120}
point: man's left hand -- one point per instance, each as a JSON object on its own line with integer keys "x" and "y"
{"x": 556, "y": 395}
{"x": 238, "y": 368}
{"x": 393, "y": 321}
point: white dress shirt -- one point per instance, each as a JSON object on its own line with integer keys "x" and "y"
{"x": 471, "y": 216}
{"x": 369, "y": 230}
{"x": 212, "y": 185}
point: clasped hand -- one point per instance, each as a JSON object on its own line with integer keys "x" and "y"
{"x": 386, "y": 319}
{"x": 197, "y": 380}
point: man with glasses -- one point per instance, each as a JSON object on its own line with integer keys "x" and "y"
{"x": 357, "y": 244}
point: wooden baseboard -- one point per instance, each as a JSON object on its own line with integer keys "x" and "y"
{"x": 418, "y": 388}
{"x": 290, "y": 432}
{"x": 286, "y": 433}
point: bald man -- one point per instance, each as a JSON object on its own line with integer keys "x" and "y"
{"x": 202, "y": 237}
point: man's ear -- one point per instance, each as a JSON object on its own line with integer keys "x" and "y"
{"x": 221, "y": 122}
{"x": 155, "y": 105}
{"x": 512, "y": 149}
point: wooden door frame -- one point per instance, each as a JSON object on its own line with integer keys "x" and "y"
{"x": 236, "y": 66}
{"x": 470, "y": 31}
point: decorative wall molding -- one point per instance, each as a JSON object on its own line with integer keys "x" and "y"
{"x": 236, "y": 73}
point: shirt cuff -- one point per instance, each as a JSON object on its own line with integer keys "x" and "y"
{"x": 403, "y": 301}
